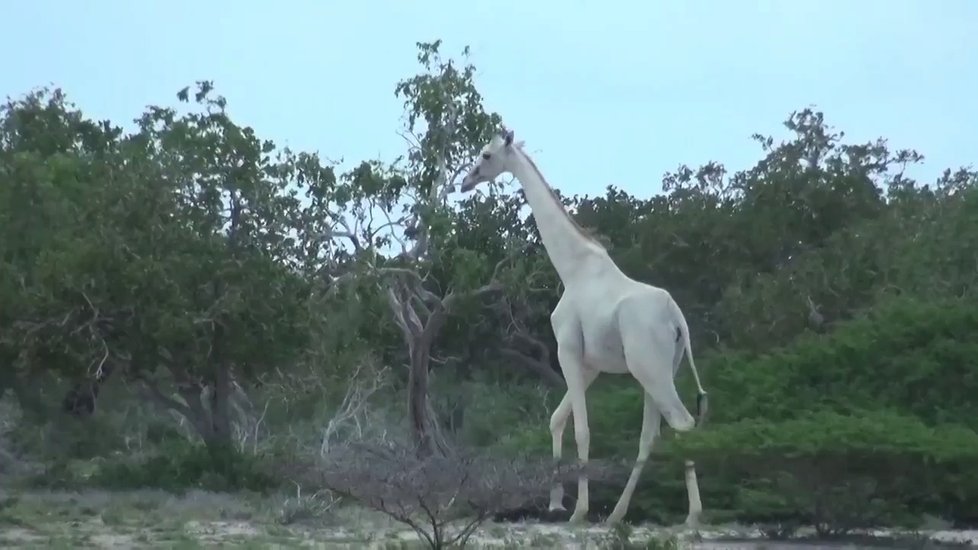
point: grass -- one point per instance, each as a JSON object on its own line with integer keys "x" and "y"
{"x": 202, "y": 519}
{"x": 46, "y": 515}
{"x": 143, "y": 518}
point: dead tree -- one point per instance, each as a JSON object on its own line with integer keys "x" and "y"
{"x": 442, "y": 497}
{"x": 421, "y": 314}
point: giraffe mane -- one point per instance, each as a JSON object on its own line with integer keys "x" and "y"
{"x": 583, "y": 232}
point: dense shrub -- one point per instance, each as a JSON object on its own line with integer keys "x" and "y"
{"x": 186, "y": 465}
{"x": 870, "y": 423}
{"x": 838, "y": 471}
{"x": 917, "y": 356}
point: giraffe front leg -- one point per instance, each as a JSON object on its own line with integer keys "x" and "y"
{"x": 573, "y": 367}
{"x": 558, "y": 421}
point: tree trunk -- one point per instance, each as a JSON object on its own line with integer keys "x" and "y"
{"x": 423, "y": 426}
{"x": 81, "y": 400}
{"x": 212, "y": 421}
{"x": 220, "y": 409}
{"x": 6, "y": 378}
{"x": 210, "y": 414}
{"x": 538, "y": 367}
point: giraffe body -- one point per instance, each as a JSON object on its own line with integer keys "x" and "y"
{"x": 604, "y": 322}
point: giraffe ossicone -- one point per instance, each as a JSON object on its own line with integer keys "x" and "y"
{"x": 604, "y": 322}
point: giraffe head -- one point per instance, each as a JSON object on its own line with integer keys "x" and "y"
{"x": 495, "y": 159}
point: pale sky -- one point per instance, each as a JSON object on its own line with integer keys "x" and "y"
{"x": 605, "y": 92}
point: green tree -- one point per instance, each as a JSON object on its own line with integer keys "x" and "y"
{"x": 171, "y": 254}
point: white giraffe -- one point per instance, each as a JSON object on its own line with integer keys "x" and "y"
{"x": 604, "y": 322}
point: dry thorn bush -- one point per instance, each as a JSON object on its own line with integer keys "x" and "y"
{"x": 442, "y": 497}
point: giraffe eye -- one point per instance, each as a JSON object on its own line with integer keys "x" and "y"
{"x": 486, "y": 156}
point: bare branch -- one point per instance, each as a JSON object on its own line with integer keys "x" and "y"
{"x": 416, "y": 279}
{"x": 412, "y": 140}
{"x": 442, "y": 497}
{"x": 362, "y": 387}
{"x": 165, "y": 402}
{"x": 450, "y": 184}
{"x": 391, "y": 223}
{"x": 345, "y": 233}
{"x": 537, "y": 366}
{"x": 494, "y": 285}
{"x": 418, "y": 302}
{"x": 440, "y": 188}
{"x": 404, "y": 314}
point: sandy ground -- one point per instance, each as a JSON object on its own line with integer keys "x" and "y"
{"x": 197, "y": 519}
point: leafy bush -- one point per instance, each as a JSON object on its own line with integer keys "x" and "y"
{"x": 838, "y": 471}
{"x": 67, "y": 438}
{"x": 183, "y": 465}
{"x": 917, "y": 356}
{"x": 870, "y": 423}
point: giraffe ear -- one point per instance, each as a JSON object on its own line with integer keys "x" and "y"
{"x": 508, "y": 137}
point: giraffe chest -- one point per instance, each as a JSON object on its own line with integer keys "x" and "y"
{"x": 587, "y": 318}
{"x": 595, "y": 329}
{"x": 602, "y": 347}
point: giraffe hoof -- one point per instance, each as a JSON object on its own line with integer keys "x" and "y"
{"x": 613, "y": 519}
{"x": 555, "y": 515}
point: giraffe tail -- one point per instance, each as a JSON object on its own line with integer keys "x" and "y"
{"x": 702, "y": 400}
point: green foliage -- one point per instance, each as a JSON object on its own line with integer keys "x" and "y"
{"x": 838, "y": 471}
{"x": 846, "y": 436}
{"x": 178, "y": 466}
{"x": 178, "y": 254}
{"x": 53, "y": 442}
{"x": 906, "y": 354}
{"x": 188, "y": 466}
{"x": 869, "y": 424}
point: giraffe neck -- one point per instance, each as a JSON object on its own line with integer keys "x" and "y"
{"x": 570, "y": 249}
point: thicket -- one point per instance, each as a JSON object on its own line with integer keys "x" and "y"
{"x": 185, "y": 304}
{"x": 870, "y": 424}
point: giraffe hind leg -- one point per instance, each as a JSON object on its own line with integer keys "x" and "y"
{"x": 650, "y": 429}
{"x": 652, "y": 366}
